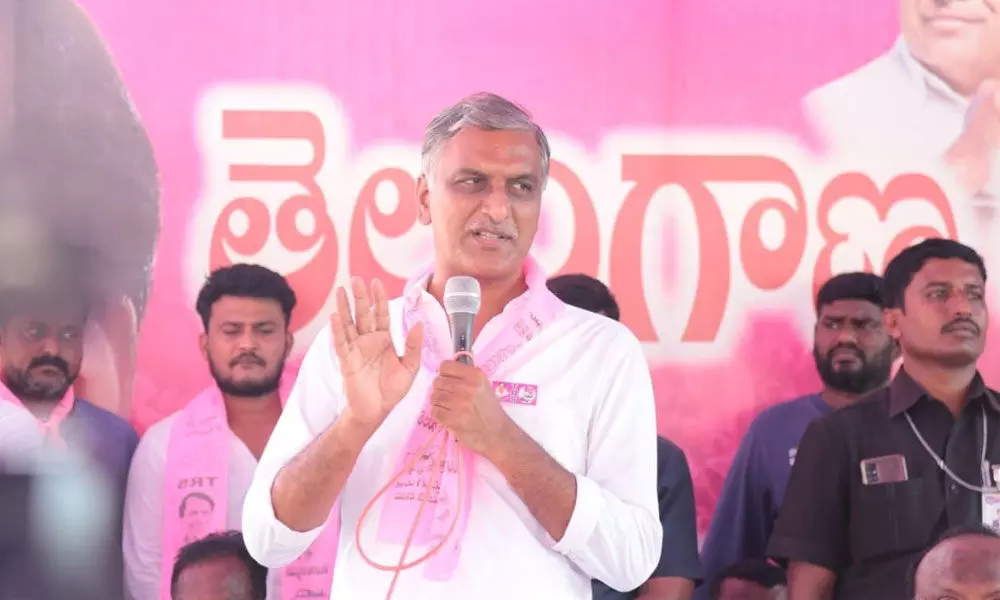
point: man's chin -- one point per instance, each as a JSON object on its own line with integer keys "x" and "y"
{"x": 847, "y": 371}
{"x": 46, "y": 393}
{"x": 247, "y": 389}
{"x": 486, "y": 267}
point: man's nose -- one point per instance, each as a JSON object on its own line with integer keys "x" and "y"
{"x": 959, "y": 305}
{"x": 847, "y": 335}
{"x": 248, "y": 341}
{"x": 496, "y": 206}
{"x": 50, "y": 346}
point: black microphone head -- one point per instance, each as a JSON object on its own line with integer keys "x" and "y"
{"x": 462, "y": 296}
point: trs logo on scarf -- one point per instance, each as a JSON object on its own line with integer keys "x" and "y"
{"x": 516, "y": 393}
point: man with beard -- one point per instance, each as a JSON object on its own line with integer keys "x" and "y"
{"x": 42, "y": 325}
{"x": 41, "y": 349}
{"x": 875, "y": 484}
{"x": 853, "y": 355}
{"x": 207, "y": 452}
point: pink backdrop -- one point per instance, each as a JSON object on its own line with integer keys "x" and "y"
{"x": 645, "y": 92}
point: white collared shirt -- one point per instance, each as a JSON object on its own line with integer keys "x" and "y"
{"x": 20, "y": 437}
{"x": 892, "y": 109}
{"x": 143, "y": 535}
{"x": 595, "y": 415}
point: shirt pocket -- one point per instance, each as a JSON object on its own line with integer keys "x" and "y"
{"x": 892, "y": 518}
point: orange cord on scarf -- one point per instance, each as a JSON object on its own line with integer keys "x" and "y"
{"x": 440, "y": 462}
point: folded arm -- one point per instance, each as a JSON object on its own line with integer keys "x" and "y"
{"x": 605, "y": 520}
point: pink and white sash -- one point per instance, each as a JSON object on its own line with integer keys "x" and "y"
{"x": 49, "y": 427}
{"x": 196, "y": 499}
{"x": 522, "y": 319}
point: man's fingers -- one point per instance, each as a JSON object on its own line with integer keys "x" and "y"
{"x": 413, "y": 347}
{"x": 455, "y": 370}
{"x": 364, "y": 320}
{"x": 347, "y": 329}
{"x": 381, "y": 302}
{"x": 340, "y": 344}
{"x": 439, "y": 413}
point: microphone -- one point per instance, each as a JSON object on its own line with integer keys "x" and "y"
{"x": 462, "y": 299}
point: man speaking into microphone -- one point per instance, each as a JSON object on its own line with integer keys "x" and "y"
{"x": 525, "y": 474}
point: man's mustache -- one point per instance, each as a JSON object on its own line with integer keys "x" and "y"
{"x": 847, "y": 346}
{"x": 247, "y": 357}
{"x": 961, "y": 323}
{"x": 50, "y": 361}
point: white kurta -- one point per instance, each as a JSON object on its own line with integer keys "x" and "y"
{"x": 595, "y": 415}
{"x": 143, "y": 536}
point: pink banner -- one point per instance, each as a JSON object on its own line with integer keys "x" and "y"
{"x": 685, "y": 173}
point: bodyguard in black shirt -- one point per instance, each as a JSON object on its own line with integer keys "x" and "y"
{"x": 876, "y": 483}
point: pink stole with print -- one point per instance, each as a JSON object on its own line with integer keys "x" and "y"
{"x": 522, "y": 319}
{"x": 48, "y": 427}
{"x": 196, "y": 482}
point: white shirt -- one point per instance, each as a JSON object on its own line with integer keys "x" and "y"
{"x": 595, "y": 415}
{"x": 892, "y": 108}
{"x": 19, "y": 434}
{"x": 143, "y": 535}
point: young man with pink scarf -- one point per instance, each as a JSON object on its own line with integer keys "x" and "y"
{"x": 192, "y": 469}
{"x": 524, "y": 476}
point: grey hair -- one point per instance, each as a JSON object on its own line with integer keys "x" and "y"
{"x": 486, "y": 111}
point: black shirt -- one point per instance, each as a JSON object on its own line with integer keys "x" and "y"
{"x": 869, "y": 535}
{"x": 679, "y": 556}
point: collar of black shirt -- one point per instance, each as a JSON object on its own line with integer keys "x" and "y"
{"x": 904, "y": 392}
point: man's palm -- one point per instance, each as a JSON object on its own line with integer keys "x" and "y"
{"x": 374, "y": 371}
{"x": 375, "y": 378}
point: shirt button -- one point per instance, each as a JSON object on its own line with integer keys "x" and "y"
{"x": 953, "y": 488}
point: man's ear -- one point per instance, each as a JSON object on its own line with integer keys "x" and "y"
{"x": 890, "y": 321}
{"x": 203, "y": 345}
{"x": 423, "y": 200}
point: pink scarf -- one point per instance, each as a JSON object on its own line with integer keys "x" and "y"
{"x": 196, "y": 482}
{"x": 442, "y": 525}
{"x": 49, "y": 427}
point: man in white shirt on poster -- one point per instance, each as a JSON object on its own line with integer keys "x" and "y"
{"x": 932, "y": 98}
{"x": 552, "y": 481}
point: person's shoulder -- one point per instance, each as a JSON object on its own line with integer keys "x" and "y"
{"x": 778, "y": 415}
{"x": 671, "y": 459}
{"x": 159, "y": 432}
{"x": 874, "y": 402}
{"x": 863, "y": 84}
{"x": 153, "y": 446}
{"x": 668, "y": 451}
{"x": 867, "y": 411}
{"x": 600, "y": 333}
{"x": 109, "y": 422}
